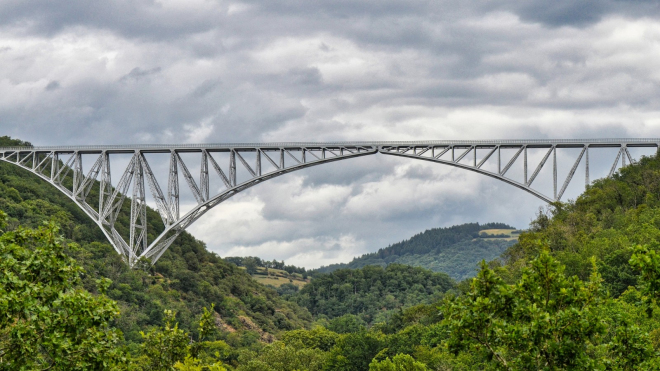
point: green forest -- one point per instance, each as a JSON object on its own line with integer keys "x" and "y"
{"x": 455, "y": 250}
{"x": 579, "y": 290}
{"x": 371, "y": 293}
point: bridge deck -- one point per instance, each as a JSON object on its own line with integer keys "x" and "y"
{"x": 531, "y": 143}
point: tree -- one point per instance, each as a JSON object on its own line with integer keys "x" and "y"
{"x": 168, "y": 346}
{"x": 48, "y": 321}
{"x": 250, "y": 265}
{"x": 354, "y": 352}
{"x": 628, "y": 344}
{"x": 346, "y": 324}
{"x": 281, "y": 357}
{"x": 163, "y": 347}
{"x": 545, "y": 321}
{"x": 647, "y": 260}
{"x": 316, "y": 338}
{"x": 400, "y": 362}
{"x": 192, "y": 364}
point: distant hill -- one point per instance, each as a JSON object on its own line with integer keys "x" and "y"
{"x": 453, "y": 250}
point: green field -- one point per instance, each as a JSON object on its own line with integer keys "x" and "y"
{"x": 278, "y": 277}
{"x": 508, "y": 232}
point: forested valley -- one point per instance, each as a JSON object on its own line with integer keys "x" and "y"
{"x": 578, "y": 290}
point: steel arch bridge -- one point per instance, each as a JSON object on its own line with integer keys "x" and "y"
{"x": 93, "y": 191}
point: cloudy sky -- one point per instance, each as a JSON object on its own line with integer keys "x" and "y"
{"x": 212, "y": 71}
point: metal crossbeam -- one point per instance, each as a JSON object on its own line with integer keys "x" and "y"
{"x": 62, "y": 166}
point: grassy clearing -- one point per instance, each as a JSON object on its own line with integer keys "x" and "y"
{"x": 508, "y": 232}
{"x": 278, "y": 277}
{"x": 279, "y": 281}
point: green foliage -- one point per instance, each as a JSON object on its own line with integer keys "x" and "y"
{"x": 281, "y": 357}
{"x": 546, "y": 320}
{"x": 461, "y": 260}
{"x": 6, "y": 141}
{"x": 346, "y": 324}
{"x": 607, "y": 221}
{"x": 164, "y": 347}
{"x": 192, "y": 364}
{"x": 207, "y": 325}
{"x": 168, "y": 347}
{"x": 648, "y": 262}
{"x": 316, "y": 338}
{"x": 400, "y": 362}
{"x": 422, "y": 314}
{"x": 627, "y": 344}
{"x": 454, "y": 250}
{"x": 250, "y": 265}
{"x": 354, "y": 352}
{"x": 47, "y": 320}
{"x": 371, "y": 291}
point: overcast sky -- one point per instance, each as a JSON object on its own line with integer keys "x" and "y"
{"x": 207, "y": 71}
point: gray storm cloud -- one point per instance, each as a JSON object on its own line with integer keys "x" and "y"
{"x": 106, "y": 72}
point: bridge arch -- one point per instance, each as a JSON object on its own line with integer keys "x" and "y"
{"x": 62, "y": 167}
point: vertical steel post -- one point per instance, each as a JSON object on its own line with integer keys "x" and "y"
{"x": 554, "y": 171}
{"x": 525, "y": 164}
{"x": 77, "y": 172}
{"x": 586, "y": 169}
{"x": 204, "y": 176}
{"x": 258, "y": 162}
{"x": 173, "y": 187}
{"x": 54, "y": 166}
{"x": 105, "y": 189}
{"x": 232, "y": 168}
{"x": 623, "y": 157}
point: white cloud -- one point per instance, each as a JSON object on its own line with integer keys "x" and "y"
{"x": 199, "y": 133}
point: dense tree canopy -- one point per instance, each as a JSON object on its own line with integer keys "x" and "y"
{"x": 47, "y": 321}
{"x": 371, "y": 291}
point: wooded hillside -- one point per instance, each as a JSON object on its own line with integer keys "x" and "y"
{"x": 455, "y": 250}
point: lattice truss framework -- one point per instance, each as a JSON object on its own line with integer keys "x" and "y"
{"x": 64, "y": 169}
{"x": 121, "y": 210}
{"x": 464, "y": 155}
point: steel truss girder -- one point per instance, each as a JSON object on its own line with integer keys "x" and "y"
{"x": 464, "y": 148}
{"x": 62, "y": 167}
{"x": 66, "y": 174}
